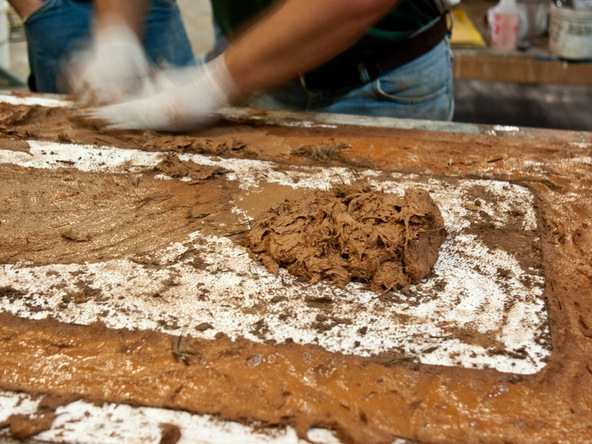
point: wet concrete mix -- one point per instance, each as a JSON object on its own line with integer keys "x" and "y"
{"x": 352, "y": 232}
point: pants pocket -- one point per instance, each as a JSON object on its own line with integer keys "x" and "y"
{"x": 423, "y": 80}
{"x": 422, "y": 89}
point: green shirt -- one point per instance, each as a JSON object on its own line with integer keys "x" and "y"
{"x": 400, "y": 23}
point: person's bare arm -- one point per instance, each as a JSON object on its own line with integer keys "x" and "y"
{"x": 24, "y": 8}
{"x": 298, "y": 36}
{"x": 131, "y": 12}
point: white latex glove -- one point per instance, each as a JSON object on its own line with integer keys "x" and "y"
{"x": 181, "y": 100}
{"x": 113, "y": 67}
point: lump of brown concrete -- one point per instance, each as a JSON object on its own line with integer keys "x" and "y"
{"x": 22, "y": 426}
{"x": 351, "y": 233}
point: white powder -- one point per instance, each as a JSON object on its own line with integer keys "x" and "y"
{"x": 464, "y": 291}
{"x": 116, "y": 423}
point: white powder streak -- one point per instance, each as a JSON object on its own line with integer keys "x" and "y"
{"x": 81, "y": 421}
{"x": 224, "y": 294}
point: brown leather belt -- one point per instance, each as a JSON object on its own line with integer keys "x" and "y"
{"x": 330, "y": 78}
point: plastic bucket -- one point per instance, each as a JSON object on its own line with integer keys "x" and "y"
{"x": 570, "y": 33}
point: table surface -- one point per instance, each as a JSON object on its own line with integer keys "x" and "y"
{"x": 365, "y": 401}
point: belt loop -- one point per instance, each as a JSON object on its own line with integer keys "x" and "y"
{"x": 302, "y": 78}
{"x": 363, "y": 73}
{"x": 449, "y": 22}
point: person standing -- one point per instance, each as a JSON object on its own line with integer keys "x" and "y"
{"x": 370, "y": 57}
{"x": 60, "y": 31}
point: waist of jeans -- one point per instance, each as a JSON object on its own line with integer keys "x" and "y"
{"x": 348, "y": 76}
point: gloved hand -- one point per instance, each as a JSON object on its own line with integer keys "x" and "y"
{"x": 180, "y": 100}
{"x": 113, "y": 67}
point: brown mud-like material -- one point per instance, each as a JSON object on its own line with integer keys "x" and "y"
{"x": 298, "y": 385}
{"x": 352, "y": 233}
{"x": 22, "y": 427}
{"x": 96, "y": 217}
{"x": 171, "y": 434}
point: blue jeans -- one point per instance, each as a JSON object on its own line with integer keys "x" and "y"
{"x": 421, "y": 89}
{"x": 58, "y": 27}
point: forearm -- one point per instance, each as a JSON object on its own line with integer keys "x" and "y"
{"x": 299, "y": 36}
{"x": 131, "y": 12}
{"x": 24, "y": 8}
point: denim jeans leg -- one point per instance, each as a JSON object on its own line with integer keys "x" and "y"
{"x": 421, "y": 89}
{"x": 59, "y": 27}
{"x": 51, "y": 30}
{"x": 165, "y": 39}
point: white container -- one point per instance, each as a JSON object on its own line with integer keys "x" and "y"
{"x": 534, "y": 19}
{"x": 503, "y": 25}
{"x": 570, "y": 33}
